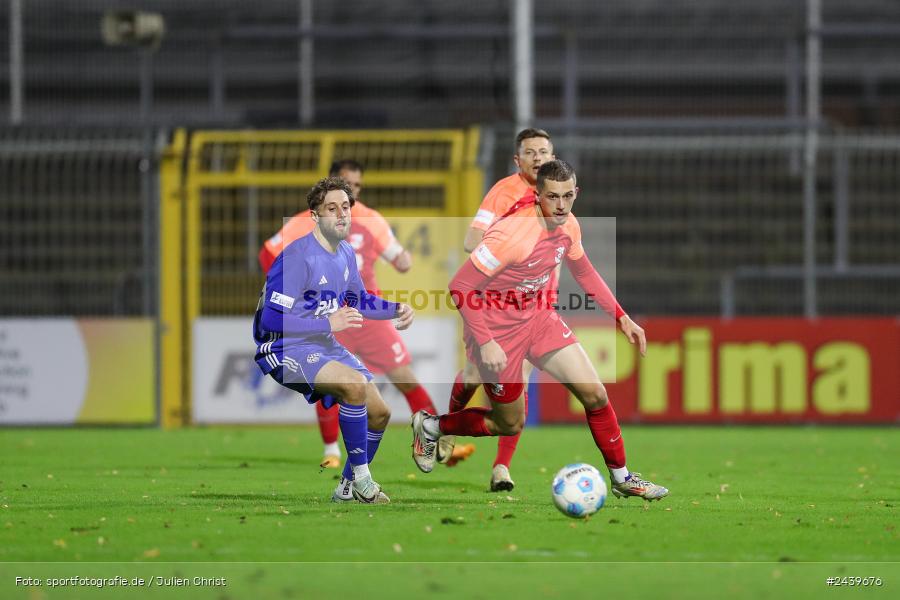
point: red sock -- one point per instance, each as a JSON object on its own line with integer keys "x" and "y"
{"x": 469, "y": 421}
{"x": 328, "y": 423}
{"x": 607, "y": 435}
{"x": 460, "y": 396}
{"x": 506, "y": 444}
{"x": 418, "y": 399}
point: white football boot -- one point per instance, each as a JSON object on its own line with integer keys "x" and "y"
{"x": 635, "y": 486}
{"x": 500, "y": 479}
{"x": 423, "y": 446}
{"x": 367, "y": 491}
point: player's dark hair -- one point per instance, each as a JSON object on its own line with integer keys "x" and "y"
{"x": 316, "y": 195}
{"x": 555, "y": 170}
{"x": 531, "y": 132}
{"x": 347, "y": 164}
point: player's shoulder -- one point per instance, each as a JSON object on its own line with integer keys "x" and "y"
{"x": 301, "y": 245}
{"x": 572, "y": 227}
{"x": 512, "y": 186}
{"x": 515, "y": 231}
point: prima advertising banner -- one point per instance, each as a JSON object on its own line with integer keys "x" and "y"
{"x": 744, "y": 370}
{"x": 64, "y": 371}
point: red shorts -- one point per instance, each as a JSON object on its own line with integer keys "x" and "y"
{"x": 377, "y": 344}
{"x": 540, "y": 335}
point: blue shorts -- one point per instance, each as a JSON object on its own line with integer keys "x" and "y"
{"x": 302, "y": 362}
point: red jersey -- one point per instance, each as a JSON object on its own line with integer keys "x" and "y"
{"x": 370, "y": 236}
{"x": 520, "y": 254}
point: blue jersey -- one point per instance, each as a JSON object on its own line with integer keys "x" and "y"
{"x": 305, "y": 285}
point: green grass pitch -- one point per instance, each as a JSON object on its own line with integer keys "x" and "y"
{"x": 780, "y": 506}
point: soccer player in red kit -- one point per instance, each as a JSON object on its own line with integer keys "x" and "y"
{"x": 377, "y": 343}
{"x": 533, "y": 147}
{"x": 508, "y": 318}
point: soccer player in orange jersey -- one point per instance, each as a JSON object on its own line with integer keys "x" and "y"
{"x": 377, "y": 343}
{"x": 509, "y": 317}
{"x": 533, "y": 148}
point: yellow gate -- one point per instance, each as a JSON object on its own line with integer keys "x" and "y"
{"x": 223, "y": 193}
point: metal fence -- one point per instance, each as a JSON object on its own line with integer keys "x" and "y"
{"x": 713, "y": 223}
{"x": 78, "y": 219}
{"x": 707, "y": 224}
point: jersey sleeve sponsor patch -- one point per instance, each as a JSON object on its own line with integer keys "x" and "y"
{"x": 282, "y": 300}
{"x": 484, "y": 256}
{"x": 392, "y": 251}
{"x": 484, "y": 216}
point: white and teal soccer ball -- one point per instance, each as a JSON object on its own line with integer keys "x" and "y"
{"x": 579, "y": 490}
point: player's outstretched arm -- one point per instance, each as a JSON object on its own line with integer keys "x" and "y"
{"x": 591, "y": 282}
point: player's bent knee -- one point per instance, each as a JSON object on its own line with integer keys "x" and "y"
{"x": 378, "y": 410}
{"x": 354, "y": 393}
{"x": 379, "y": 419}
{"x": 592, "y": 396}
{"x": 510, "y": 428}
{"x": 379, "y": 415}
{"x": 508, "y": 424}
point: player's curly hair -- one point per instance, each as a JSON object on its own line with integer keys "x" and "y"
{"x": 316, "y": 195}
{"x": 555, "y": 170}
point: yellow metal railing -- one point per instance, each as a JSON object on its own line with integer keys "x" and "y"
{"x": 226, "y": 192}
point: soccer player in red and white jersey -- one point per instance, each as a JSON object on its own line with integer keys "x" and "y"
{"x": 533, "y": 148}
{"x": 508, "y": 316}
{"x": 377, "y": 343}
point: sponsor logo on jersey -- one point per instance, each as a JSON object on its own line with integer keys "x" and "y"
{"x": 323, "y": 281}
{"x": 559, "y": 254}
{"x": 497, "y": 388}
{"x": 326, "y": 307}
{"x": 313, "y": 358}
{"x": 529, "y": 286}
{"x": 346, "y": 273}
{"x": 282, "y": 300}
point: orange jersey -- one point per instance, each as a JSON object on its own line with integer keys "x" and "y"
{"x": 500, "y": 199}
{"x": 370, "y": 236}
{"x": 520, "y": 256}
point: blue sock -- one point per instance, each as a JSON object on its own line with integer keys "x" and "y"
{"x": 374, "y": 439}
{"x": 352, "y": 420}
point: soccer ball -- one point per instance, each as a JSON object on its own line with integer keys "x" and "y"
{"x": 579, "y": 490}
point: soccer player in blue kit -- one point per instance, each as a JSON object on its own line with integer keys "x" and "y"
{"x": 312, "y": 291}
